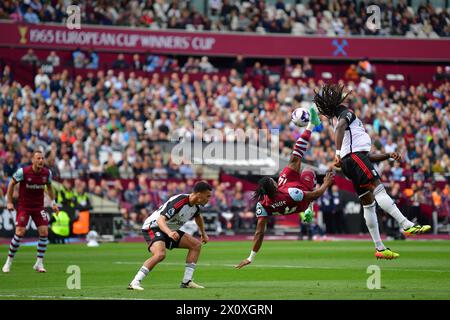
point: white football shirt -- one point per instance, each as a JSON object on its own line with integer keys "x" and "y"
{"x": 177, "y": 211}
{"x": 355, "y": 138}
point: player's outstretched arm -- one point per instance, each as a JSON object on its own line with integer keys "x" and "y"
{"x": 257, "y": 241}
{"x": 317, "y": 193}
{"x": 384, "y": 156}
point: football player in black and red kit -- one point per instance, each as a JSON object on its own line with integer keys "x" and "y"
{"x": 353, "y": 157}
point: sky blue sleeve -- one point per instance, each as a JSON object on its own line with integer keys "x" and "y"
{"x": 260, "y": 211}
{"x": 50, "y": 177}
{"x": 18, "y": 175}
{"x": 296, "y": 194}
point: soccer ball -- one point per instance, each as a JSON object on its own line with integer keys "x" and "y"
{"x": 300, "y": 117}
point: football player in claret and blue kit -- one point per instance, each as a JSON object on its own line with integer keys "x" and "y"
{"x": 294, "y": 192}
{"x": 33, "y": 180}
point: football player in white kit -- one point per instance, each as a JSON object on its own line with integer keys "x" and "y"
{"x": 161, "y": 232}
{"x": 353, "y": 157}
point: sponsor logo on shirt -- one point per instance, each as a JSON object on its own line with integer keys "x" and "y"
{"x": 278, "y": 204}
{"x": 35, "y": 186}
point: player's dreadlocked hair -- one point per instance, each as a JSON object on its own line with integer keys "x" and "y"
{"x": 265, "y": 187}
{"x": 329, "y": 98}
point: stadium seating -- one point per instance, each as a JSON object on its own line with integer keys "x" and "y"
{"x": 82, "y": 116}
{"x": 309, "y": 17}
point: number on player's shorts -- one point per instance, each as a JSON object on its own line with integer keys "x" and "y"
{"x": 44, "y": 214}
{"x": 282, "y": 180}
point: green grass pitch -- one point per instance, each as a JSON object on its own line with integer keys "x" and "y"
{"x": 287, "y": 270}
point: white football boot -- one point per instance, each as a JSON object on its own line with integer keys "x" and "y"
{"x": 7, "y": 266}
{"x": 134, "y": 285}
{"x": 39, "y": 266}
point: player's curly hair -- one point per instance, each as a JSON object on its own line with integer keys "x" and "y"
{"x": 329, "y": 98}
{"x": 265, "y": 187}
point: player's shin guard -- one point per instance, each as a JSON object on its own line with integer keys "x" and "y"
{"x": 387, "y": 204}
{"x": 42, "y": 247}
{"x": 370, "y": 215}
{"x": 301, "y": 144}
{"x": 188, "y": 272}
{"x": 14, "y": 246}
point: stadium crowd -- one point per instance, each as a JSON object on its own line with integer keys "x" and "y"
{"x": 109, "y": 126}
{"x": 322, "y": 17}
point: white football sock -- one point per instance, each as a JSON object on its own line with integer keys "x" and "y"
{"x": 370, "y": 215}
{"x": 142, "y": 273}
{"x": 188, "y": 272}
{"x": 387, "y": 204}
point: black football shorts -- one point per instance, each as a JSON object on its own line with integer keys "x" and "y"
{"x": 358, "y": 168}
{"x": 155, "y": 234}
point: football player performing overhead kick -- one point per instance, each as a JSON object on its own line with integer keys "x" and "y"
{"x": 292, "y": 195}
{"x": 353, "y": 145}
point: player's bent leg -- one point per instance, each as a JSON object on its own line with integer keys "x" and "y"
{"x": 370, "y": 216}
{"x": 388, "y": 205}
{"x": 158, "y": 250}
{"x": 194, "y": 246}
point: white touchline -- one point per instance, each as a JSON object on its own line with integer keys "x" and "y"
{"x": 232, "y": 265}
{"x": 65, "y": 297}
{"x": 284, "y": 266}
